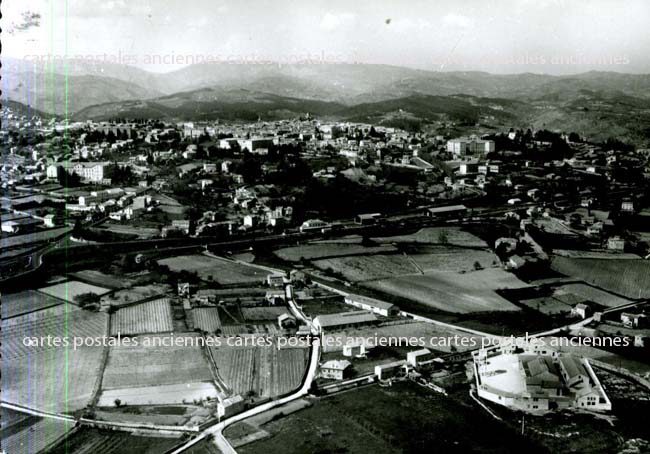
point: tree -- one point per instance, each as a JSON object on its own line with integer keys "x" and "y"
{"x": 84, "y": 299}
{"x": 477, "y": 266}
{"x": 443, "y": 237}
{"x": 118, "y": 402}
{"x": 67, "y": 179}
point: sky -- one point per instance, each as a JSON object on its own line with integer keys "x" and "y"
{"x": 498, "y": 36}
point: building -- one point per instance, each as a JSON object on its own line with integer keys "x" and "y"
{"x": 336, "y": 369}
{"x": 616, "y": 243}
{"x": 471, "y": 146}
{"x": 354, "y": 350}
{"x": 537, "y": 379}
{"x": 230, "y": 406}
{"x": 90, "y": 171}
{"x": 286, "y": 321}
{"x": 581, "y": 310}
{"x": 372, "y": 305}
{"x": 634, "y": 320}
{"x": 446, "y": 211}
{"x": 391, "y": 370}
{"x": 275, "y": 280}
{"x": 344, "y": 320}
{"x": 369, "y": 218}
{"x": 314, "y": 224}
{"x": 416, "y": 357}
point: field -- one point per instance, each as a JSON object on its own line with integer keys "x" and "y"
{"x": 51, "y": 377}
{"x": 67, "y": 291}
{"x": 452, "y": 260}
{"x": 137, "y": 293}
{"x": 14, "y": 304}
{"x": 218, "y": 270}
{"x": 321, "y": 250}
{"x": 96, "y": 441}
{"x": 630, "y": 278}
{"x": 264, "y": 313}
{"x": 101, "y": 279}
{"x": 588, "y": 293}
{"x": 33, "y": 434}
{"x": 364, "y": 268}
{"x": 438, "y": 235}
{"x": 32, "y": 238}
{"x": 150, "y": 317}
{"x": 264, "y": 371}
{"x": 141, "y": 365}
{"x": 206, "y": 319}
{"x": 159, "y": 395}
{"x": 402, "y": 418}
{"x": 453, "y": 292}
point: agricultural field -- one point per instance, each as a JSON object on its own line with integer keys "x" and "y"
{"x": 32, "y": 434}
{"x": 587, "y": 293}
{"x": 364, "y": 420}
{"x": 547, "y": 305}
{"x": 50, "y": 377}
{"x": 453, "y": 292}
{"x": 365, "y": 268}
{"x": 136, "y": 293}
{"x": 453, "y": 236}
{"x": 320, "y": 250}
{"x": 262, "y": 371}
{"x": 67, "y": 291}
{"x": 14, "y": 304}
{"x": 146, "y": 365}
{"x": 159, "y": 395}
{"x": 206, "y": 319}
{"x": 101, "y": 279}
{"x": 452, "y": 259}
{"x": 150, "y": 317}
{"x": 263, "y": 313}
{"x": 630, "y": 278}
{"x": 222, "y": 271}
{"x": 97, "y": 441}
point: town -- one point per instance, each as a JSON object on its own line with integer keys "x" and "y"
{"x": 305, "y": 266}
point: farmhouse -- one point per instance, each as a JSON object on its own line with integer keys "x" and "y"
{"x": 230, "y": 406}
{"x": 336, "y": 369}
{"x": 344, "y": 320}
{"x": 286, "y": 321}
{"x": 538, "y": 381}
{"x": 372, "y": 305}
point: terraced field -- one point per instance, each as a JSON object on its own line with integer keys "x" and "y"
{"x": 206, "y": 319}
{"x": 264, "y": 371}
{"x": 150, "y": 317}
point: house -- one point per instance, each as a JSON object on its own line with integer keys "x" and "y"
{"x": 230, "y": 406}
{"x": 275, "y": 280}
{"x": 336, "y": 369}
{"x": 581, "y": 310}
{"x": 286, "y": 321}
{"x": 616, "y": 243}
{"x": 391, "y": 370}
{"x": 372, "y": 305}
{"x": 354, "y": 350}
{"x": 50, "y": 220}
{"x": 416, "y": 357}
{"x": 369, "y": 218}
{"x": 634, "y": 320}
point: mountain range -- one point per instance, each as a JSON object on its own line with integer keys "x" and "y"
{"x": 591, "y": 103}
